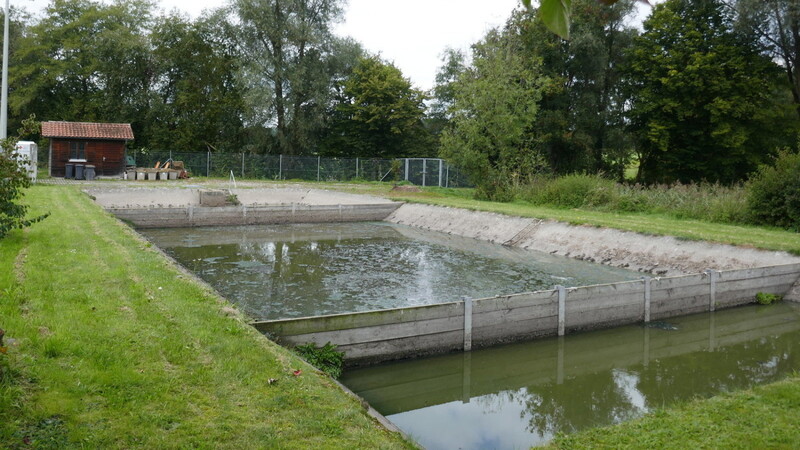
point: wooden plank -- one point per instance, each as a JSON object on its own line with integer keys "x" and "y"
{"x": 405, "y": 347}
{"x": 501, "y": 317}
{"x": 660, "y": 284}
{"x": 765, "y": 282}
{"x": 384, "y": 332}
{"x": 510, "y": 302}
{"x": 601, "y": 317}
{"x": 514, "y": 331}
{"x": 604, "y": 301}
{"x": 605, "y": 290}
{"x": 334, "y": 322}
{"x": 758, "y": 272}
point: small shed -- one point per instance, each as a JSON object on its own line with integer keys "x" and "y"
{"x": 85, "y": 143}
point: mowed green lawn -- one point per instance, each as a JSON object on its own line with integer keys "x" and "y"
{"x": 110, "y": 346}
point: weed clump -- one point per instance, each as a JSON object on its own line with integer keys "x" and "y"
{"x": 325, "y": 358}
{"x": 764, "y": 298}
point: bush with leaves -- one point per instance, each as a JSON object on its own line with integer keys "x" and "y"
{"x": 13, "y": 179}
{"x": 773, "y": 194}
{"x": 324, "y": 358}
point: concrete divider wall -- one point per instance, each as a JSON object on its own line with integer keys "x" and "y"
{"x": 191, "y": 215}
{"x": 376, "y": 336}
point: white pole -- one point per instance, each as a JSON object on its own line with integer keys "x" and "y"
{"x": 4, "y": 97}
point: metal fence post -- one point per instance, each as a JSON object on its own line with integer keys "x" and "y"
{"x": 208, "y": 163}
{"x": 280, "y": 166}
{"x": 441, "y": 162}
{"x": 356, "y": 166}
{"x": 406, "y": 169}
{"x": 318, "y": 164}
{"x": 242, "y": 164}
{"x": 447, "y": 177}
{"x": 424, "y": 170}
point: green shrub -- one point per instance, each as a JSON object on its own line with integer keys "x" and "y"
{"x": 324, "y": 358}
{"x": 574, "y": 191}
{"x": 763, "y": 298}
{"x": 773, "y": 194}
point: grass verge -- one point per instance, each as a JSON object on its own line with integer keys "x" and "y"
{"x": 110, "y": 346}
{"x": 762, "y": 417}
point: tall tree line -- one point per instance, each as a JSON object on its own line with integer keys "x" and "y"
{"x": 262, "y": 76}
{"x": 708, "y": 90}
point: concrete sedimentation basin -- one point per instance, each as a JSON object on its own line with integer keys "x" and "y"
{"x": 678, "y": 276}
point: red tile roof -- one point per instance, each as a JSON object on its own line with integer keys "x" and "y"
{"x": 87, "y": 130}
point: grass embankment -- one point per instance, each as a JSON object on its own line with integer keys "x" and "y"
{"x": 762, "y": 417}
{"x": 114, "y": 348}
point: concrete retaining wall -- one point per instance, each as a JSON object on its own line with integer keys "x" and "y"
{"x": 191, "y": 215}
{"x": 405, "y": 332}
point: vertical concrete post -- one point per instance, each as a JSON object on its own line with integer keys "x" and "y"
{"x": 318, "y": 164}
{"x": 447, "y": 177}
{"x": 208, "y": 163}
{"x": 424, "y": 170}
{"x": 356, "y": 167}
{"x": 467, "y": 324}
{"x": 712, "y": 281}
{"x": 441, "y": 169}
{"x": 647, "y": 281}
{"x": 191, "y": 213}
{"x": 406, "y": 169}
{"x": 280, "y": 167}
{"x": 562, "y": 309}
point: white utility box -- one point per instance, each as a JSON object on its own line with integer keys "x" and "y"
{"x": 28, "y": 153}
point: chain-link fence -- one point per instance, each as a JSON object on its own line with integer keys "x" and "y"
{"x": 419, "y": 171}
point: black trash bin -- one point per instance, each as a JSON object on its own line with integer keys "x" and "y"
{"x": 78, "y": 171}
{"x": 69, "y": 170}
{"x": 89, "y": 172}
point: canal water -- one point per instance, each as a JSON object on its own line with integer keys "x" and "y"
{"x": 521, "y": 395}
{"x": 301, "y": 270}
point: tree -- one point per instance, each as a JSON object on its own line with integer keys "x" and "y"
{"x": 580, "y": 126}
{"x": 702, "y": 96}
{"x": 13, "y": 179}
{"x": 496, "y": 101}
{"x": 85, "y": 61}
{"x": 777, "y": 25}
{"x": 288, "y": 45}
{"x": 378, "y": 114}
{"x": 197, "y": 98}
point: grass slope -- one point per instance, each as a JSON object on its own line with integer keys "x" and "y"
{"x": 114, "y": 348}
{"x": 762, "y": 417}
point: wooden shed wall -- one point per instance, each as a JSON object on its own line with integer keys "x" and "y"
{"x": 107, "y": 156}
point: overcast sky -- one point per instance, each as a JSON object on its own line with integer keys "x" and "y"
{"x": 411, "y": 33}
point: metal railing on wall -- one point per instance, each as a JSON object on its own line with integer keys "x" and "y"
{"x": 418, "y": 171}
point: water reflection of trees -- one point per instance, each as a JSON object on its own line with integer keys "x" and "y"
{"x": 600, "y": 398}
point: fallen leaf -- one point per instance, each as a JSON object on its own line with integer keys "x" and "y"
{"x": 297, "y": 372}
